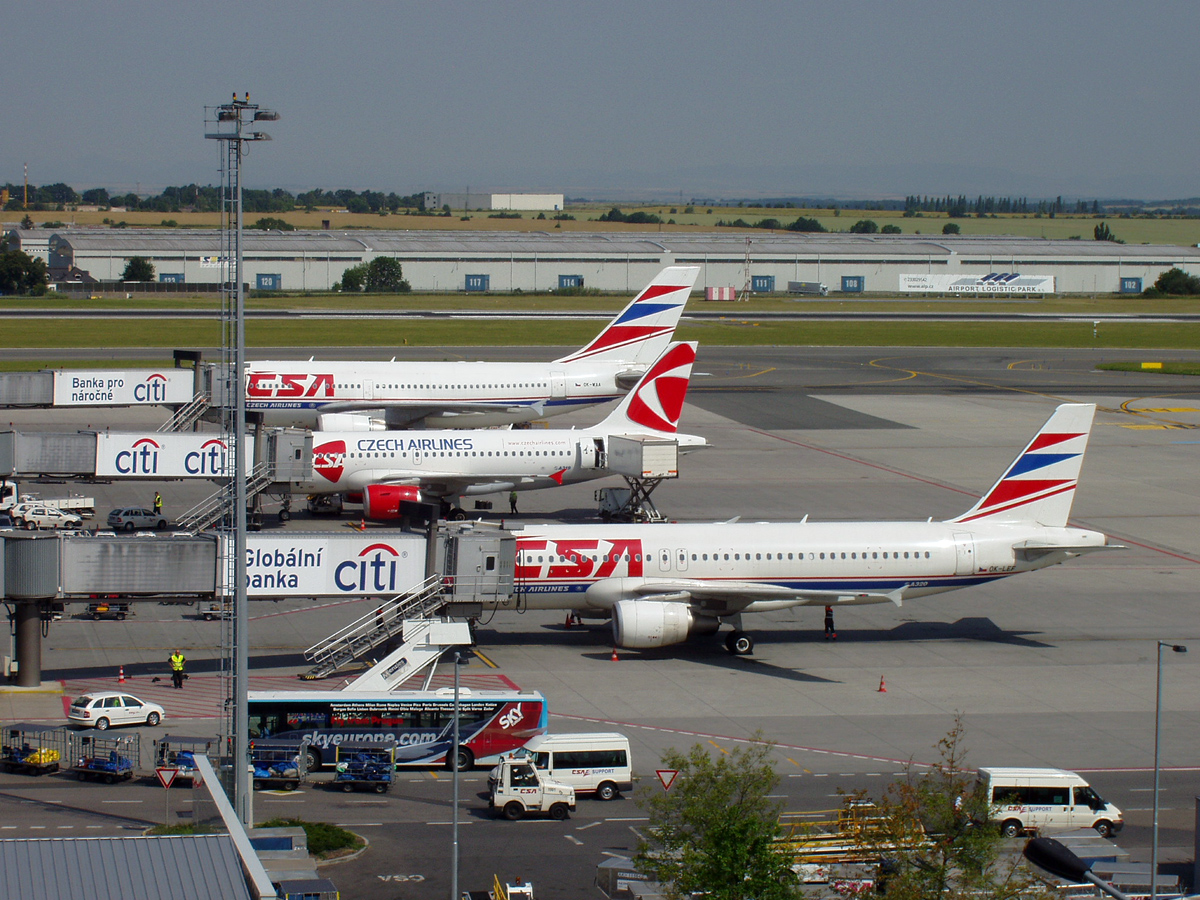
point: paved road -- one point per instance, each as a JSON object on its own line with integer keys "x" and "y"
{"x": 1053, "y": 668}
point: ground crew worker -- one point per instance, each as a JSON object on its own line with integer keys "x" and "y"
{"x": 157, "y": 503}
{"x": 830, "y": 634}
{"x": 177, "y": 662}
{"x": 512, "y": 501}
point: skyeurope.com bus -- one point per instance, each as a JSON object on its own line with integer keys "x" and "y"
{"x": 490, "y": 723}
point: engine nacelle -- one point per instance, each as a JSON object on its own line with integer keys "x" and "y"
{"x": 643, "y": 624}
{"x": 382, "y": 501}
{"x": 349, "y": 422}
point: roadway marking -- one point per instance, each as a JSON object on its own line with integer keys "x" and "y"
{"x": 628, "y": 819}
{"x": 589, "y": 825}
{"x": 8, "y": 827}
{"x": 574, "y": 840}
{"x": 719, "y": 747}
{"x": 483, "y": 659}
{"x": 359, "y": 824}
{"x": 117, "y": 801}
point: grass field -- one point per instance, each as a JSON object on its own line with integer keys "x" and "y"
{"x": 1185, "y": 232}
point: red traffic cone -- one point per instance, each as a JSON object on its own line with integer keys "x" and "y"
{"x": 882, "y": 686}
{"x": 121, "y": 675}
{"x": 362, "y": 525}
{"x": 570, "y": 621}
{"x": 614, "y": 656}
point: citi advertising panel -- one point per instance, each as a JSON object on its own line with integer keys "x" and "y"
{"x": 109, "y": 387}
{"x": 138, "y": 455}
{"x": 316, "y": 565}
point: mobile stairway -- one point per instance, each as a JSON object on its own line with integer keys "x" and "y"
{"x": 218, "y": 505}
{"x": 187, "y": 415}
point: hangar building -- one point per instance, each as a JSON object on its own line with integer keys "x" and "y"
{"x": 624, "y": 261}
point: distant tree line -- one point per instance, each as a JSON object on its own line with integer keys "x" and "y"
{"x": 961, "y": 207}
{"x": 207, "y": 198}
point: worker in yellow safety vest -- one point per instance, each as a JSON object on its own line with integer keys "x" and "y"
{"x": 177, "y": 661}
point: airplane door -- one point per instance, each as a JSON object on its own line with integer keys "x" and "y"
{"x": 558, "y": 385}
{"x": 585, "y": 455}
{"x": 664, "y": 560}
{"x": 681, "y": 559}
{"x": 964, "y": 553}
{"x": 368, "y": 389}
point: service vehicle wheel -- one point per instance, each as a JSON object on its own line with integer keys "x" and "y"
{"x": 312, "y": 760}
{"x": 513, "y": 810}
{"x": 153, "y": 719}
{"x": 606, "y": 791}
{"x": 285, "y": 515}
{"x": 129, "y": 526}
{"x": 1011, "y": 828}
{"x": 291, "y": 785}
{"x": 160, "y": 525}
{"x": 110, "y": 779}
{"x": 257, "y": 785}
{"x": 381, "y": 788}
{"x": 120, "y": 617}
{"x": 1103, "y": 828}
{"x": 81, "y": 776}
{"x": 102, "y": 724}
{"x": 559, "y": 812}
{"x": 347, "y": 787}
{"x": 457, "y": 515}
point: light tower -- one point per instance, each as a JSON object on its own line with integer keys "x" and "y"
{"x": 230, "y": 123}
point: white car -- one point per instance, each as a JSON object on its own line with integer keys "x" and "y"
{"x": 100, "y": 709}
{"x": 48, "y": 517}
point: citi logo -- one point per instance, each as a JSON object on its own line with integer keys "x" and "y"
{"x": 377, "y": 569}
{"x": 140, "y": 459}
{"x": 211, "y": 459}
{"x": 152, "y": 390}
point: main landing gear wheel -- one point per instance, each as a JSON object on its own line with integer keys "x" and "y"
{"x": 739, "y": 643}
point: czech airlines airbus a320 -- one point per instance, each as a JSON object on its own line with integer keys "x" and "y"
{"x": 663, "y": 583}
{"x": 393, "y": 467}
{"x": 362, "y": 396}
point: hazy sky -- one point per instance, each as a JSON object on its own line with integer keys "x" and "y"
{"x": 615, "y": 99}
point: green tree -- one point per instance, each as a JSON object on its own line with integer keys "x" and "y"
{"x": 385, "y": 275}
{"x": 933, "y": 829}
{"x": 716, "y": 830}
{"x": 354, "y": 278}
{"x": 806, "y": 224}
{"x": 1177, "y": 281}
{"x": 21, "y": 273}
{"x": 272, "y": 223}
{"x": 864, "y": 226}
{"x": 1103, "y": 233}
{"x": 951, "y": 228}
{"x": 138, "y": 269}
{"x": 890, "y": 229}
{"x": 96, "y": 197}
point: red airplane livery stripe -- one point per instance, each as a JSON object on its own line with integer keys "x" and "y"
{"x": 986, "y": 513}
{"x": 1017, "y": 489}
{"x": 1049, "y": 440}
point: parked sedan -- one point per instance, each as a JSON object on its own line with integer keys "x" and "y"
{"x": 100, "y": 709}
{"x": 48, "y": 517}
{"x": 131, "y": 517}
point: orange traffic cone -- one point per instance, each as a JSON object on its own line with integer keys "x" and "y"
{"x": 882, "y": 686}
{"x": 614, "y": 656}
{"x": 121, "y": 675}
{"x": 362, "y": 525}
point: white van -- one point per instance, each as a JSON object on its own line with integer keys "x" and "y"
{"x": 1024, "y": 799}
{"x": 591, "y": 763}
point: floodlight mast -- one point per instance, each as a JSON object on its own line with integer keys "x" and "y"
{"x": 228, "y": 123}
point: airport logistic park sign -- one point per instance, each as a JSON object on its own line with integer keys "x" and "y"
{"x": 108, "y": 387}
{"x": 992, "y": 283}
{"x": 166, "y": 455}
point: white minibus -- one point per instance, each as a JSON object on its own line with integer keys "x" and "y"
{"x": 591, "y": 763}
{"x": 1027, "y": 799}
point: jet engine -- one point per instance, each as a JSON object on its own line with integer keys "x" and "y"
{"x": 642, "y": 624}
{"x": 382, "y": 501}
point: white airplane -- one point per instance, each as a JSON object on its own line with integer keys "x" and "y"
{"x": 392, "y": 467}
{"x": 364, "y": 396}
{"x": 662, "y": 583}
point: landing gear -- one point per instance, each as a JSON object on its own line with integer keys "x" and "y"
{"x": 739, "y": 643}
{"x": 285, "y": 511}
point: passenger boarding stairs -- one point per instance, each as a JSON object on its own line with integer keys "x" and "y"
{"x": 425, "y": 640}
{"x": 187, "y": 415}
{"x": 215, "y": 507}
{"x": 388, "y": 620}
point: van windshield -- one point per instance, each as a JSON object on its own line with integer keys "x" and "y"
{"x": 1085, "y": 796}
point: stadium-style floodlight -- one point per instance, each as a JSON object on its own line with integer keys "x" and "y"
{"x": 231, "y": 120}
{"x": 1047, "y": 853}
{"x": 1176, "y": 648}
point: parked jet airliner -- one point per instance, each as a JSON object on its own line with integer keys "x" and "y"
{"x": 362, "y": 396}
{"x": 663, "y": 583}
{"x": 391, "y": 467}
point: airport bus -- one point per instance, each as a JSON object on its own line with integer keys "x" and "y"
{"x": 490, "y": 723}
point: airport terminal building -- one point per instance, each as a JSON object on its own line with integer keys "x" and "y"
{"x": 766, "y": 262}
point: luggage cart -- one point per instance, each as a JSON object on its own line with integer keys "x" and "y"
{"x": 177, "y": 752}
{"x": 33, "y": 749}
{"x": 364, "y": 766}
{"x": 107, "y": 759}
{"x": 278, "y": 764}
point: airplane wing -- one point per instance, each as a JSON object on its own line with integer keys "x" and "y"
{"x": 727, "y": 597}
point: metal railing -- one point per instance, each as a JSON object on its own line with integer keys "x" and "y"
{"x": 216, "y": 506}
{"x": 187, "y": 415}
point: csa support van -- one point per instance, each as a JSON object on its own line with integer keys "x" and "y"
{"x": 1025, "y": 800}
{"x": 590, "y": 763}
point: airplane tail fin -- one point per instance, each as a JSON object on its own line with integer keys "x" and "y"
{"x": 1039, "y": 486}
{"x": 642, "y": 330}
{"x": 656, "y": 402}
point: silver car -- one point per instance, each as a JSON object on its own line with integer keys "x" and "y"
{"x": 132, "y": 517}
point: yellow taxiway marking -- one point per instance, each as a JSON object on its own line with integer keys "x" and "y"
{"x": 483, "y": 659}
{"x": 719, "y": 747}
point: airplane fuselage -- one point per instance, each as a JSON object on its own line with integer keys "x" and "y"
{"x": 454, "y": 394}
{"x": 782, "y": 565}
